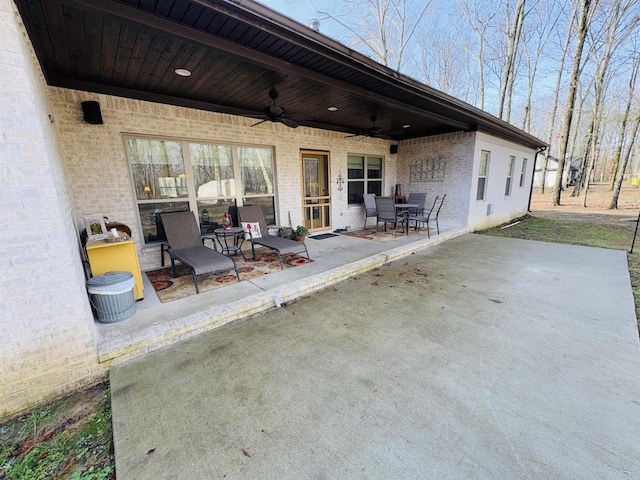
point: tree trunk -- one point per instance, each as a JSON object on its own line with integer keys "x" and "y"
{"x": 508, "y": 74}
{"x": 623, "y": 166}
{"x": 583, "y": 27}
{"x": 621, "y": 137}
{"x": 556, "y": 94}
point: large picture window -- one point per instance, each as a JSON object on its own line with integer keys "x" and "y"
{"x": 207, "y": 178}
{"x": 483, "y": 170}
{"x": 364, "y": 175}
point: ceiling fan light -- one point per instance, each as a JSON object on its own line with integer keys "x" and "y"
{"x": 183, "y": 72}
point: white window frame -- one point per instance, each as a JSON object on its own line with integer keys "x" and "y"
{"x": 509, "y": 182}
{"x": 366, "y": 178}
{"x": 191, "y": 198}
{"x": 523, "y": 172}
{"x": 483, "y": 176}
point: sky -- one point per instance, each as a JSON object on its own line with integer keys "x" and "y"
{"x": 301, "y": 11}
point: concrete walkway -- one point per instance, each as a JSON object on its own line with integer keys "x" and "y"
{"x": 480, "y": 357}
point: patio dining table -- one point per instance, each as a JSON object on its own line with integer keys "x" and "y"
{"x": 403, "y": 209}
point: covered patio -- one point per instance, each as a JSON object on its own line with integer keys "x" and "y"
{"x": 183, "y": 115}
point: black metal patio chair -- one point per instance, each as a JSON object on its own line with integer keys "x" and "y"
{"x": 185, "y": 244}
{"x": 431, "y": 214}
{"x": 260, "y": 236}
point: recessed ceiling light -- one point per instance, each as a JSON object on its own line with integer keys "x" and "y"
{"x": 406, "y": 126}
{"x": 183, "y": 72}
{"x": 332, "y": 109}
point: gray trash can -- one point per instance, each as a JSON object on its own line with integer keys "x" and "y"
{"x": 111, "y": 296}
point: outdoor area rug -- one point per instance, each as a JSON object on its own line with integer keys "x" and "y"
{"x": 381, "y": 236}
{"x": 169, "y": 288}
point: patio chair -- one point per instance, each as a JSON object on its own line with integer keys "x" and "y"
{"x": 387, "y": 213}
{"x": 431, "y": 214}
{"x": 252, "y": 220}
{"x": 416, "y": 199}
{"x": 369, "y": 207}
{"x": 185, "y": 245}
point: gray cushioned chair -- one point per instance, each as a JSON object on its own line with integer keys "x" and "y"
{"x": 370, "y": 209}
{"x": 416, "y": 199}
{"x": 387, "y": 213}
{"x": 185, "y": 244}
{"x": 279, "y": 244}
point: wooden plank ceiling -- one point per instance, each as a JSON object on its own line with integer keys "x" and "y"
{"x": 237, "y": 52}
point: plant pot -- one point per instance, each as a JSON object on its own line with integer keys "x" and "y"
{"x": 298, "y": 238}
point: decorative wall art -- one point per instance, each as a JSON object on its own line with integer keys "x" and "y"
{"x": 428, "y": 169}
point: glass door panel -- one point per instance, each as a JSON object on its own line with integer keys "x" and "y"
{"x": 316, "y": 192}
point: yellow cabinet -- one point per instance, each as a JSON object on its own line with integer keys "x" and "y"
{"x": 116, "y": 257}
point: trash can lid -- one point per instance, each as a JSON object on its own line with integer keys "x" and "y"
{"x": 111, "y": 282}
{"x": 109, "y": 278}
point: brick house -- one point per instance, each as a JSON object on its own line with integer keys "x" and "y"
{"x": 59, "y": 163}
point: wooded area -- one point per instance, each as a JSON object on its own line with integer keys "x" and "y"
{"x": 563, "y": 70}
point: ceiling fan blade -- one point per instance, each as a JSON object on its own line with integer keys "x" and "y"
{"x": 382, "y": 136}
{"x": 262, "y": 121}
{"x": 354, "y": 135}
{"x": 288, "y": 122}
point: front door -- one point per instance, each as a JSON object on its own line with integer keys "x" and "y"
{"x": 316, "y": 192}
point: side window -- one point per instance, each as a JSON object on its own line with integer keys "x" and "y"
{"x": 523, "y": 172}
{"x": 482, "y": 175}
{"x": 507, "y": 187}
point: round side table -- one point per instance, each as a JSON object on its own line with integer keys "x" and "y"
{"x": 231, "y": 240}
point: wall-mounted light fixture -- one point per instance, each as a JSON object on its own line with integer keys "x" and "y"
{"x": 340, "y": 181}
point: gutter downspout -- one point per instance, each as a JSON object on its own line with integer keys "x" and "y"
{"x": 539, "y": 150}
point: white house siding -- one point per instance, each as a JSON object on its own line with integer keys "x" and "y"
{"x": 456, "y": 149}
{"x": 47, "y": 346}
{"x": 504, "y": 208}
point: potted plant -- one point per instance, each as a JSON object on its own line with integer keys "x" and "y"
{"x": 300, "y": 233}
{"x": 286, "y": 232}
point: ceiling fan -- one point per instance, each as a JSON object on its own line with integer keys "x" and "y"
{"x": 372, "y": 131}
{"x": 277, "y": 113}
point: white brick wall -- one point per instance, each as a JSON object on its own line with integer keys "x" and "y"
{"x": 46, "y": 326}
{"x": 461, "y": 152}
{"x": 504, "y": 208}
{"x": 98, "y": 171}
{"x": 457, "y": 151}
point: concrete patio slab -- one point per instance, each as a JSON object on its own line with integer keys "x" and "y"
{"x": 480, "y": 357}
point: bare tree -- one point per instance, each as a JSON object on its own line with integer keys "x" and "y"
{"x": 481, "y": 27}
{"x": 614, "y": 35}
{"x": 586, "y": 8}
{"x": 556, "y": 91}
{"x": 547, "y": 16}
{"x": 620, "y": 168}
{"x": 443, "y": 65}
{"x": 513, "y": 32}
{"x": 382, "y": 28}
